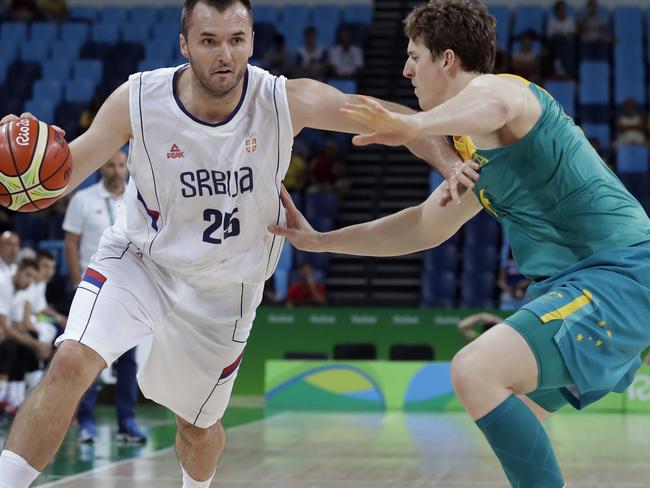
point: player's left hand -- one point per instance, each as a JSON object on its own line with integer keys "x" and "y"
{"x": 389, "y": 128}
{"x": 461, "y": 179}
{"x": 298, "y": 231}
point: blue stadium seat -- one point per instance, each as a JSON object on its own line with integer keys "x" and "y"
{"x": 4, "y": 66}
{"x": 321, "y": 205}
{"x": 43, "y": 109}
{"x": 502, "y": 15}
{"x": 360, "y": 13}
{"x": 632, "y": 159}
{"x": 346, "y": 86}
{"x": 44, "y": 31}
{"x": 166, "y": 32}
{"x": 8, "y": 51}
{"x": 602, "y": 132}
{"x": 84, "y": 12}
{"x": 136, "y": 32}
{"x": 47, "y": 89}
{"x": 293, "y": 35}
{"x": 627, "y": 22}
{"x": 66, "y": 50}
{"x": 113, "y": 14}
{"x": 171, "y": 14}
{"x": 34, "y": 51}
{"x": 565, "y": 93}
{"x": 264, "y": 34}
{"x": 327, "y": 18}
{"x": 79, "y": 91}
{"x": 144, "y": 14}
{"x": 296, "y": 15}
{"x": 537, "y": 47}
{"x": 74, "y": 31}
{"x": 631, "y": 86}
{"x": 482, "y": 231}
{"x": 265, "y": 13}
{"x": 105, "y": 32}
{"x": 594, "y": 83}
{"x": 56, "y": 70}
{"x": 438, "y": 289}
{"x": 359, "y": 32}
{"x": 13, "y": 31}
{"x": 150, "y": 64}
{"x": 529, "y": 17}
{"x": 91, "y": 70}
{"x": 477, "y": 290}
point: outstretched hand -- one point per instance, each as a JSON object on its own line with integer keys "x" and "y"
{"x": 389, "y": 128}
{"x": 298, "y": 231}
{"x": 461, "y": 179}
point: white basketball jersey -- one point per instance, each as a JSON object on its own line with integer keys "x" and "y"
{"x": 201, "y": 196}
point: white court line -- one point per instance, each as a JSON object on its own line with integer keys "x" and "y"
{"x": 133, "y": 459}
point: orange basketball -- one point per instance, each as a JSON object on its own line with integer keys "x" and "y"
{"x": 34, "y": 165}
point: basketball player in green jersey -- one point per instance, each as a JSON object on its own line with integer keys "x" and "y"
{"x": 574, "y": 229}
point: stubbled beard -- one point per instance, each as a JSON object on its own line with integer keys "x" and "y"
{"x": 211, "y": 91}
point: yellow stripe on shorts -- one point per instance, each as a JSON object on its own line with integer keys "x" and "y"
{"x": 571, "y": 307}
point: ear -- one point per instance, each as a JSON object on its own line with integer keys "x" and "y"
{"x": 183, "y": 43}
{"x": 450, "y": 62}
{"x": 250, "y": 55}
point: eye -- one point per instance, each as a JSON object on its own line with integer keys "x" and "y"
{"x": 208, "y": 41}
{"x": 237, "y": 40}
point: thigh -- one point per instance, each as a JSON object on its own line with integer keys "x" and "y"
{"x": 113, "y": 308}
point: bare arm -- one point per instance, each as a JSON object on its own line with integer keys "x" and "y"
{"x": 110, "y": 130}
{"x": 413, "y": 229}
{"x": 71, "y": 247}
{"x": 317, "y": 105}
{"x": 486, "y": 105}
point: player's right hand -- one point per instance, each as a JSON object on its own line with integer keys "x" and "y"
{"x": 298, "y": 231}
{"x": 461, "y": 180}
{"x": 26, "y": 115}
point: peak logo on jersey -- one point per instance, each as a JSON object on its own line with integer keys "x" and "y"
{"x": 175, "y": 153}
{"x": 251, "y": 142}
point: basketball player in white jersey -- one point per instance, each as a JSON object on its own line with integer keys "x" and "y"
{"x": 187, "y": 258}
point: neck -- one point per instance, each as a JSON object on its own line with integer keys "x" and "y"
{"x": 460, "y": 82}
{"x": 204, "y": 105}
{"x": 116, "y": 190}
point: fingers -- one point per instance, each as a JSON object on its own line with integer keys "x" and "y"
{"x": 365, "y": 139}
{"x": 277, "y": 230}
{"x": 287, "y": 202}
{"x": 27, "y": 115}
{"x": 465, "y": 181}
{"x": 8, "y": 118}
{"x": 453, "y": 189}
{"x": 58, "y": 129}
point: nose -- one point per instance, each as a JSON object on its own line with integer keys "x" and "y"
{"x": 407, "y": 72}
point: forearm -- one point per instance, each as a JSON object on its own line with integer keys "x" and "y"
{"x": 435, "y": 150}
{"x": 394, "y": 235}
{"x": 74, "y": 264}
{"x": 22, "y": 338}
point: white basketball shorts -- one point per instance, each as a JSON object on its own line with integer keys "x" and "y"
{"x": 199, "y": 334}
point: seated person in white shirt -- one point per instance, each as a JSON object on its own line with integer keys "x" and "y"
{"x": 9, "y": 249}
{"x": 49, "y": 328}
{"x": 345, "y": 58}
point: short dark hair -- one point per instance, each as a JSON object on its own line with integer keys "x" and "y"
{"x": 220, "y": 5}
{"x": 464, "y": 26}
{"x": 27, "y": 263}
{"x": 45, "y": 254}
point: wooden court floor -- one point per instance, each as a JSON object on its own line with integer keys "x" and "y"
{"x": 293, "y": 450}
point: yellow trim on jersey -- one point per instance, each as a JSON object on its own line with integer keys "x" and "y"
{"x": 516, "y": 77}
{"x": 571, "y": 307}
{"x": 486, "y": 202}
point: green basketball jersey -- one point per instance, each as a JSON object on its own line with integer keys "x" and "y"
{"x": 555, "y": 198}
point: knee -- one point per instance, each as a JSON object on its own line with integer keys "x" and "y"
{"x": 74, "y": 366}
{"x": 196, "y": 436}
{"x": 465, "y": 371}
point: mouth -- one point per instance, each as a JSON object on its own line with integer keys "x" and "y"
{"x": 222, "y": 71}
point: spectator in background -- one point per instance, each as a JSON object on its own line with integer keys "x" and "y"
{"x": 311, "y": 56}
{"x": 295, "y": 178}
{"x": 46, "y": 269}
{"x": 593, "y": 30}
{"x": 345, "y": 59}
{"x": 90, "y": 212}
{"x": 467, "y": 326}
{"x": 278, "y": 60}
{"x": 323, "y": 167}
{"x": 511, "y": 281}
{"x": 306, "y": 290}
{"x": 631, "y": 125}
{"x": 527, "y": 62}
{"x": 9, "y": 249}
{"x": 54, "y": 10}
{"x": 23, "y": 10}
{"x": 560, "y": 34}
